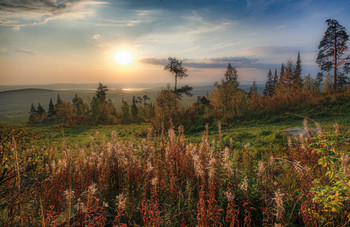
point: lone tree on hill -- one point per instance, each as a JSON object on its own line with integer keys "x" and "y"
{"x": 331, "y": 49}
{"x": 175, "y": 66}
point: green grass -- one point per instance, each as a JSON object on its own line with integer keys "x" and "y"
{"x": 80, "y": 134}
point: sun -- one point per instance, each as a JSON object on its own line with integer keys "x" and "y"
{"x": 123, "y": 57}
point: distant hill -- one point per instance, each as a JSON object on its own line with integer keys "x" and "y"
{"x": 25, "y": 90}
{"x": 15, "y": 103}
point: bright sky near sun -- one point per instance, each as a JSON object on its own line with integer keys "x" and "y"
{"x": 126, "y": 41}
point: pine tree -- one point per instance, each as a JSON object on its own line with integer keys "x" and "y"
{"x": 175, "y": 66}
{"x": 269, "y": 86}
{"x": 52, "y": 110}
{"x": 331, "y": 49}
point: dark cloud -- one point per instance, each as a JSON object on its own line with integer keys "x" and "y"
{"x": 213, "y": 63}
{"x": 34, "y": 5}
{"x": 18, "y": 13}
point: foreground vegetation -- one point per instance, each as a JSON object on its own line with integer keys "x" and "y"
{"x": 166, "y": 180}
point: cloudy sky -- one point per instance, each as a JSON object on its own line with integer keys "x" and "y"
{"x": 71, "y": 41}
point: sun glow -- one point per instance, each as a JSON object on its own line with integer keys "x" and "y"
{"x": 123, "y": 57}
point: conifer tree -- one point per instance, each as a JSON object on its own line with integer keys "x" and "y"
{"x": 319, "y": 79}
{"x": 275, "y": 81}
{"x": 40, "y": 109}
{"x": 52, "y": 110}
{"x": 297, "y": 81}
{"x": 269, "y": 86}
{"x": 32, "y": 109}
{"x": 282, "y": 71}
{"x": 175, "y": 66}
{"x": 134, "y": 109}
{"x": 59, "y": 100}
{"x": 125, "y": 112}
{"x": 331, "y": 49}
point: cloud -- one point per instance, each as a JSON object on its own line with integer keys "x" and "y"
{"x": 270, "y": 50}
{"x": 213, "y": 63}
{"x": 18, "y": 13}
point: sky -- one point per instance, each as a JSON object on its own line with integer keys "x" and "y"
{"x": 72, "y": 41}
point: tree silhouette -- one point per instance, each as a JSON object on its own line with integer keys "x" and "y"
{"x": 175, "y": 66}
{"x": 270, "y": 85}
{"x": 52, "y": 110}
{"x": 297, "y": 80}
{"x": 331, "y": 49}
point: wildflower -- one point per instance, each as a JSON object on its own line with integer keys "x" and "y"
{"x": 92, "y": 189}
{"x": 244, "y": 185}
{"x": 172, "y": 137}
{"x": 279, "y": 205}
{"x": 149, "y": 167}
{"x": 211, "y": 168}
{"x": 154, "y": 181}
{"x": 121, "y": 201}
{"x": 306, "y": 128}
{"x": 69, "y": 194}
{"x": 80, "y": 206}
{"x": 229, "y": 195}
{"x": 198, "y": 166}
{"x": 227, "y": 163}
{"x": 261, "y": 169}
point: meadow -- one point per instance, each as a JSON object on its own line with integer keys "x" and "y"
{"x": 249, "y": 173}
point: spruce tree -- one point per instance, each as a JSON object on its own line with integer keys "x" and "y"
{"x": 275, "y": 81}
{"x": 269, "y": 86}
{"x": 32, "y": 109}
{"x": 52, "y": 110}
{"x": 282, "y": 71}
{"x": 40, "y": 109}
{"x": 297, "y": 80}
